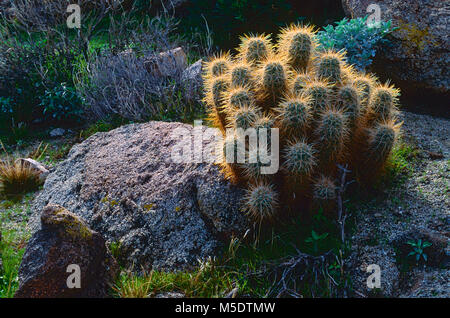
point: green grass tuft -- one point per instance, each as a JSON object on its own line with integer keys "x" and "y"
{"x": 13, "y": 218}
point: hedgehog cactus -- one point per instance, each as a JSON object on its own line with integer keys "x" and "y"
{"x": 273, "y": 76}
{"x": 237, "y": 98}
{"x": 381, "y": 141}
{"x": 261, "y": 201}
{"x": 365, "y": 85}
{"x": 299, "y": 83}
{"x": 320, "y": 93}
{"x": 327, "y": 114}
{"x": 297, "y": 44}
{"x": 243, "y": 117}
{"x": 383, "y": 103}
{"x": 255, "y": 49}
{"x": 348, "y": 100}
{"x": 218, "y": 66}
{"x": 241, "y": 74}
{"x": 324, "y": 189}
{"x": 330, "y": 66}
{"x": 331, "y": 134}
{"x": 218, "y": 86}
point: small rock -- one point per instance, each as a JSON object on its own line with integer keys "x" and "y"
{"x": 435, "y": 155}
{"x": 65, "y": 240}
{"x": 34, "y": 166}
{"x": 167, "y": 63}
{"x": 193, "y": 72}
{"x": 57, "y": 132}
{"x": 233, "y": 293}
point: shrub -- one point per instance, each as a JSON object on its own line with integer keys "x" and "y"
{"x": 359, "y": 39}
{"x": 17, "y": 179}
{"x": 324, "y": 113}
{"x": 49, "y": 73}
{"x": 38, "y": 58}
{"x": 42, "y": 15}
{"x": 36, "y": 79}
{"x": 119, "y": 79}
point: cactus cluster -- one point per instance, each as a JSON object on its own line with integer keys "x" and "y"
{"x": 327, "y": 114}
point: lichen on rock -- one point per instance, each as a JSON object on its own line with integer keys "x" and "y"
{"x": 56, "y": 217}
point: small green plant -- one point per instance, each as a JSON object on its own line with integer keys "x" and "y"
{"x": 16, "y": 178}
{"x": 359, "y": 39}
{"x": 319, "y": 217}
{"x": 115, "y": 248}
{"x": 418, "y": 249}
{"x": 315, "y": 240}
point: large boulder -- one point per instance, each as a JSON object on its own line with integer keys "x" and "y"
{"x": 64, "y": 246}
{"x": 125, "y": 185}
{"x": 419, "y": 57}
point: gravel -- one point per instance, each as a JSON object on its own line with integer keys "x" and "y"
{"x": 422, "y": 202}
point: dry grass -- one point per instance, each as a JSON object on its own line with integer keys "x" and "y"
{"x": 15, "y": 178}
